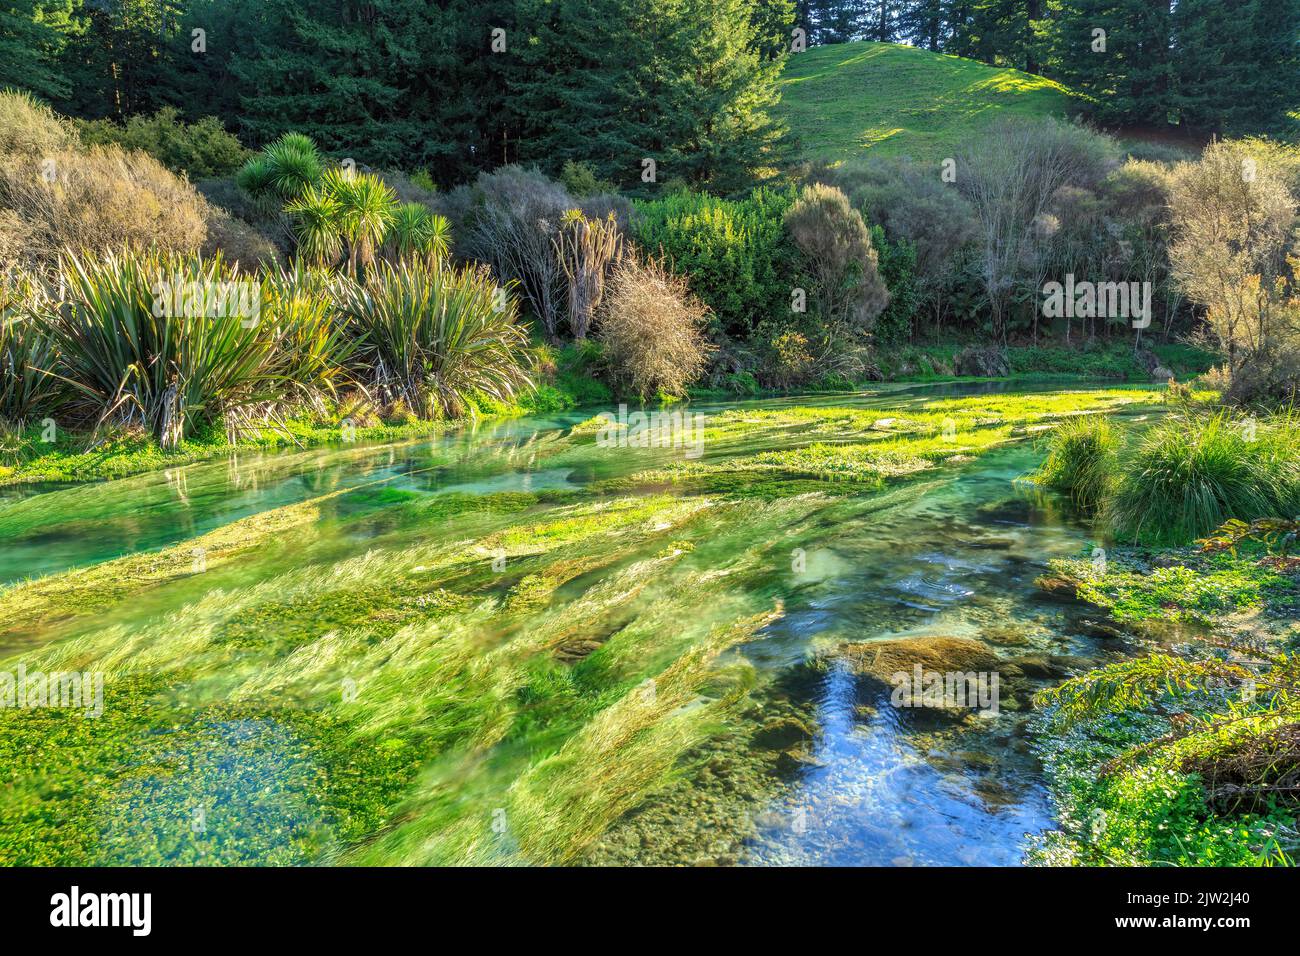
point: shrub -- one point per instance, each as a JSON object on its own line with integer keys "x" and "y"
{"x": 838, "y": 254}
{"x": 1231, "y": 234}
{"x": 509, "y": 219}
{"x": 237, "y": 242}
{"x": 282, "y": 171}
{"x": 790, "y": 362}
{"x": 898, "y": 270}
{"x": 1082, "y": 460}
{"x": 580, "y": 180}
{"x": 434, "y": 335}
{"x": 1011, "y": 176}
{"x": 313, "y": 344}
{"x": 915, "y": 206}
{"x": 26, "y": 352}
{"x": 735, "y": 253}
{"x": 199, "y": 149}
{"x": 1269, "y": 378}
{"x": 133, "y": 361}
{"x": 101, "y": 199}
{"x": 652, "y": 329}
{"x": 1191, "y": 474}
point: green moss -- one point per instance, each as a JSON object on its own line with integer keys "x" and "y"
{"x": 84, "y": 591}
{"x": 1145, "y": 812}
{"x": 1199, "y": 592}
{"x": 152, "y": 781}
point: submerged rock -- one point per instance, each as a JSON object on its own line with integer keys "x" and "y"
{"x": 883, "y": 659}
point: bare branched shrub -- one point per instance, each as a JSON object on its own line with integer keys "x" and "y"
{"x": 653, "y": 328}
{"x": 837, "y": 248}
{"x": 508, "y": 219}
{"x": 1233, "y": 219}
{"x": 101, "y": 199}
{"x": 1011, "y": 176}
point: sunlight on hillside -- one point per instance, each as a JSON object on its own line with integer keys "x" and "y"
{"x": 902, "y": 100}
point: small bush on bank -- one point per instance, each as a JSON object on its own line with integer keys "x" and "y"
{"x": 894, "y": 325}
{"x": 105, "y": 198}
{"x": 433, "y": 336}
{"x": 199, "y": 149}
{"x": 137, "y": 365}
{"x": 509, "y": 219}
{"x": 26, "y": 353}
{"x": 848, "y": 291}
{"x": 735, "y": 253}
{"x": 653, "y": 329}
{"x": 1082, "y": 460}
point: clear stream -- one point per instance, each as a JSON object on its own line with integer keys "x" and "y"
{"x": 952, "y": 552}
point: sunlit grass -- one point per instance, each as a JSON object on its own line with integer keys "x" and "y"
{"x": 891, "y": 99}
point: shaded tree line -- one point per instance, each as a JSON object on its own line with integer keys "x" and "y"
{"x": 454, "y": 86}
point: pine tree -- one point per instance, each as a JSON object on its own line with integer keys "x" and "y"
{"x": 773, "y": 21}
{"x": 118, "y": 65}
{"x": 923, "y": 24}
{"x": 32, "y": 36}
{"x": 615, "y": 83}
{"x": 1125, "y": 68}
{"x": 1236, "y": 67}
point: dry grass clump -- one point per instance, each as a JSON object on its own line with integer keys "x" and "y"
{"x": 97, "y": 200}
{"x": 30, "y": 128}
{"x": 1253, "y": 772}
{"x": 653, "y": 329}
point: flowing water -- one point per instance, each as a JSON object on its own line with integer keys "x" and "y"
{"x": 814, "y": 769}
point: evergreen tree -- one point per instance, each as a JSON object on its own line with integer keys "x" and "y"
{"x": 773, "y": 21}
{"x": 726, "y": 91}
{"x": 387, "y": 82}
{"x": 617, "y": 82}
{"x": 1126, "y": 70}
{"x": 119, "y": 64}
{"x": 1236, "y": 64}
{"x": 32, "y": 35}
{"x": 923, "y": 24}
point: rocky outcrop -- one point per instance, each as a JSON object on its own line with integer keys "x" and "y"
{"x": 983, "y": 362}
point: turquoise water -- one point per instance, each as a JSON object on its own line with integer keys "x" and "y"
{"x": 952, "y": 553}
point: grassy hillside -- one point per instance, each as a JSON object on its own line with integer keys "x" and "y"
{"x": 897, "y": 99}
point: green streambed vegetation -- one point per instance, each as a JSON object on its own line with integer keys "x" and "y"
{"x": 495, "y": 678}
{"x": 1187, "y": 752}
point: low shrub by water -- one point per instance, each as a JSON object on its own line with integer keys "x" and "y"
{"x": 433, "y": 335}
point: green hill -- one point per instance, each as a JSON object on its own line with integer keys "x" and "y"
{"x": 894, "y": 99}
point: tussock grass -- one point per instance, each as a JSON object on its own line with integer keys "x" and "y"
{"x": 1082, "y": 460}
{"x": 1190, "y": 474}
